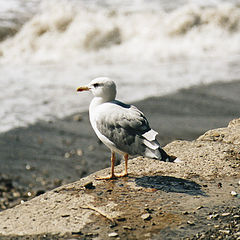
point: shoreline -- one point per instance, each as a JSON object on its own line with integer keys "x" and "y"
{"x": 45, "y": 155}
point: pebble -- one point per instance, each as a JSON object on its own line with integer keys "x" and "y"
{"x": 227, "y": 226}
{"x": 29, "y": 194}
{"x": 224, "y": 231}
{"x": 28, "y": 167}
{"x": 233, "y": 193}
{"x": 212, "y": 216}
{"x": 146, "y": 216}
{"x": 191, "y": 223}
{"x": 113, "y": 234}
{"x": 181, "y": 227}
{"x": 79, "y": 152}
{"x": 67, "y": 155}
{"x": 225, "y": 214}
{"x": 16, "y": 194}
{"x": 127, "y": 228}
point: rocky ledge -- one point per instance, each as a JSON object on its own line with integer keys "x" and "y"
{"x": 197, "y": 198}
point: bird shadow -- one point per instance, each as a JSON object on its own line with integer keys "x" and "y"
{"x": 170, "y": 184}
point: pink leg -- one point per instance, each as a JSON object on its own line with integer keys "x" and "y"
{"x": 112, "y": 175}
{"x": 125, "y": 173}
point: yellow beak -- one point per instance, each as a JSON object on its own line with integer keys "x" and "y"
{"x": 84, "y": 88}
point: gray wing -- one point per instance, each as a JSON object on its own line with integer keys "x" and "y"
{"x": 123, "y": 125}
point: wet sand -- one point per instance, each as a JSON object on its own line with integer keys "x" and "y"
{"x": 48, "y": 154}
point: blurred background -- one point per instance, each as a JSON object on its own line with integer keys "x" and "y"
{"x": 151, "y": 48}
{"x": 178, "y": 61}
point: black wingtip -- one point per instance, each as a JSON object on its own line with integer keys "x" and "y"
{"x": 165, "y": 157}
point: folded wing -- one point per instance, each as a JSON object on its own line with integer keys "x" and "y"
{"x": 128, "y": 129}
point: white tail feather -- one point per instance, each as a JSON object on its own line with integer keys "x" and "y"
{"x": 152, "y": 153}
{"x": 152, "y": 145}
{"x": 177, "y": 160}
{"x": 150, "y": 135}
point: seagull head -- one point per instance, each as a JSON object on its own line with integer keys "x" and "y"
{"x": 102, "y": 87}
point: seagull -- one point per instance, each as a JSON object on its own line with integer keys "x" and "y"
{"x": 121, "y": 127}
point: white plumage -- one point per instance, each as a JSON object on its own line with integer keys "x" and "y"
{"x": 121, "y": 127}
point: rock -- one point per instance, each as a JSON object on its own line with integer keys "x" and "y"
{"x": 119, "y": 204}
{"x": 79, "y": 152}
{"x": 224, "y": 231}
{"x": 231, "y": 134}
{"x": 213, "y": 216}
{"x": 191, "y": 223}
{"x": 113, "y": 234}
{"x": 234, "y": 123}
{"x": 67, "y": 155}
{"x": 233, "y": 193}
{"x": 225, "y": 214}
{"x": 28, "y": 167}
{"x": 127, "y": 228}
{"x": 146, "y": 216}
{"x": 16, "y": 194}
{"x": 218, "y": 155}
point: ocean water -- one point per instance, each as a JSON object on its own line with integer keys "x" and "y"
{"x": 150, "y": 48}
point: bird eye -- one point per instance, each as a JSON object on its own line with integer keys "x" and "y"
{"x": 96, "y": 85}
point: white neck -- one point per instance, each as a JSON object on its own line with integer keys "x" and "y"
{"x": 96, "y": 101}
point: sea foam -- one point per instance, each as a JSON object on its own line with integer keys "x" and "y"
{"x": 66, "y": 29}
